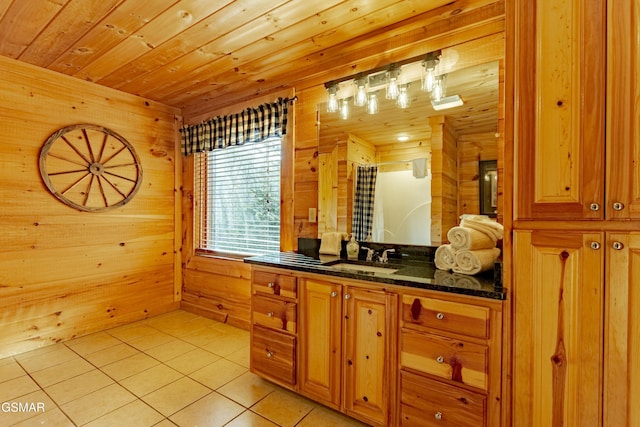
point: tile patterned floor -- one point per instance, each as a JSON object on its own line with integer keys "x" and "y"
{"x": 178, "y": 369}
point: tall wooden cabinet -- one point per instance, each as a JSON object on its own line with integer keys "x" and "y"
{"x": 576, "y": 212}
{"x": 347, "y": 349}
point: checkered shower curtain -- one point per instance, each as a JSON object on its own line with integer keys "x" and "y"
{"x": 363, "y": 201}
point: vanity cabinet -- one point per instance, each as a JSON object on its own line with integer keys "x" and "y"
{"x": 577, "y": 114}
{"x": 274, "y": 326}
{"x": 347, "y": 348}
{"x": 449, "y": 361}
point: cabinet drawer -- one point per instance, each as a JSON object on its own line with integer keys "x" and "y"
{"x": 274, "y": 313}
{"x": 445, "y": 357}
{"x": 467, "y": 319}
{"x": 275, "y": 284}
{"x": 273, "y": 355}
{"x": 426, "y": 402}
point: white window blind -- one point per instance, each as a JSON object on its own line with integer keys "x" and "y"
{"x": 238, "y": 198}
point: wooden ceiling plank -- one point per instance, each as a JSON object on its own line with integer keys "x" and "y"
{"x": 66, "y": 29}
{"x": 259, "y": 32}
{"x": 22, "y": 23}
{"x": 130, "y": 16}
{"x": 169, "y": 23}
{"x": 342, "y": 59}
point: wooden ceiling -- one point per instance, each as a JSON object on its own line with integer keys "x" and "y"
{"x": 201, "y": 55}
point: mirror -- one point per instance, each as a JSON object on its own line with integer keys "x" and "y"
{"x": 455, "y": 139}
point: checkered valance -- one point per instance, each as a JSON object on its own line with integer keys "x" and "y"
{"x": 251, "y": 125}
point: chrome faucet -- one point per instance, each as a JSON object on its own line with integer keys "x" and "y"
{"x": 370, "y": 253}
{"x": 384, "y": 258}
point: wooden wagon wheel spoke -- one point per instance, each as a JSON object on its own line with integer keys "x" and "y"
{"x": 86, "y": 149}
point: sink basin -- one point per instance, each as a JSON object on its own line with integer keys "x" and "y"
{"x": 364, "y": 268}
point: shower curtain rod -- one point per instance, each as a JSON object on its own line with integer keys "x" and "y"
{"x": 397, "y": 162}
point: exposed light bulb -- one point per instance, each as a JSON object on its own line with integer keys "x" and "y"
{"x": 372, "y": 105}
{"x": 403, "y": 100}
{"x": 392, "y": 84}
{"x": 429, "y": 74}
{"x": 332, "y": 103}
{"x": 344, "y": 109}
{"x": 360, "y": 99}
{"x": 439, "y": 88}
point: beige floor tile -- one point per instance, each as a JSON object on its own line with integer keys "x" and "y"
{"x": 226, "y": 328}
{"x": 176, "y": 396}
{"x": 251, "y": 419}
{"x": 228, "y": 344}
{"x": 325, "y": 417}
{"x": 201, "y": 336}
{"x": 150, "y": 380}
{"x": 40, "y": 359}
{"x": 132, "y": 332}
{"x": 247, "y": 389}
{"x": 10, "y": 369}
{"x": 192, "y": 361}
{"x": 213, "y": 410}
{"x": 94, "y": 405}
{"x": 165, "y": 423}
{"x": 39, "y": 407}
{"x": 61, "y": 372}
{"x": 136, "y": 413}
{"x": 284, "y": 408}
{"x": 218, "y": 373}
{"x": 152, "y": 340}
{"x": 92, "y": 343}
{"x": 111, "y": 354}
{"x": 130, "y": 366}
{"x": 169, "y": 350}
{"x": 17, "y": 387}
{"x": 79, "y": 386}
{"x": 241, "y": 357}
{"x": 50, "y": 418}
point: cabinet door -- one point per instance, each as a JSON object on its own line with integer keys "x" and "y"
{"x": 320, "y": 341}
{"x": 623, "y": 109}
{"x": 369, "y": 372}
{"x": 560, "y": 109}
{"x": 622, "y": 347}
{"x": 558, "y": 339}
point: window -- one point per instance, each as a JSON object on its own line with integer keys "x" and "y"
{"x": 238, "y": 198}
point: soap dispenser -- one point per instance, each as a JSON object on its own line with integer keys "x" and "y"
{"x": 353, "y": 249}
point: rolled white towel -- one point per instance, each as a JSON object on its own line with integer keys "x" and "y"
{"x": 474, "y": 262}
{"x": 445, "y": 257}
{"x": 466, "y": 281}
{"x": 444, "y": 278}
{"x": 330, "y": 243}
{"x": 469, "y": 238}
{"x": 493, "y": 229}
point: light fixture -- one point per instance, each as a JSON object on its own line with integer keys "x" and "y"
{"x": 404, "y": 100}
{"x": 332, "y": 103}
{"x": 429, "y": 72}
{"x": 360, "y": 99}
{"x": 403, "y": 138}
{"x": 372, "y": 105}
{"x": 439, "y": 87}
{"x": 344, "y": 109}
{"x": 392, "y": 82}
{"x": 448, "y": 102}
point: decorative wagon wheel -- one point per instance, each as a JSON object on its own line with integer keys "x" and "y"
{"x": 90, "y": 168}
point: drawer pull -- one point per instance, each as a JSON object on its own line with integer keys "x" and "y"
{"x": 269, "y": 354}
{"x": 270, "y": 314}
{"x": 618, "y": 206}
{"x": 271, "y": 285}
{"x": 347, "y": 296}
{"x": 594, "y": 207}
{"x": 334, "y": 294}
{"x": 440, "y": 316}
{"x": 617, "y": 246}
{"x": 440, "y": 359}
{"x": 438, "y": 415}
{"x": 595, "y": 245}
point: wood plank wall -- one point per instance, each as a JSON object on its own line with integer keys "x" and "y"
{"x": 66, "y": 273}
{"x": 471, "y": 150}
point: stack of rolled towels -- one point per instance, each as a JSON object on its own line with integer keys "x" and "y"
{"x": 472, "y": 246}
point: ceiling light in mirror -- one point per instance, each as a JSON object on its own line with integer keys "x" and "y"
{"x": 448, "y": 102}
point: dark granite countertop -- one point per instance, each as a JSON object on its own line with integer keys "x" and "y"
{"x": 412, "y": 273}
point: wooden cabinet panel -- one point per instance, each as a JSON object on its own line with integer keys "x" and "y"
{"x": 622, "y": 347}
{"x": 275, "y": 313}
{"x": 421, "y": 312}
{"x": 558, "y": 328}
{"x": 269, "y": 283}
{"x": 559, "y": 115}
{"x": 623, "y": 110}
{"x": 273, "y": 355}
{"x": 445, "y": 357}
{"x": 431, "y": 403}
{"x": 368, "y": 368}
{"x": 320, "y": 341}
